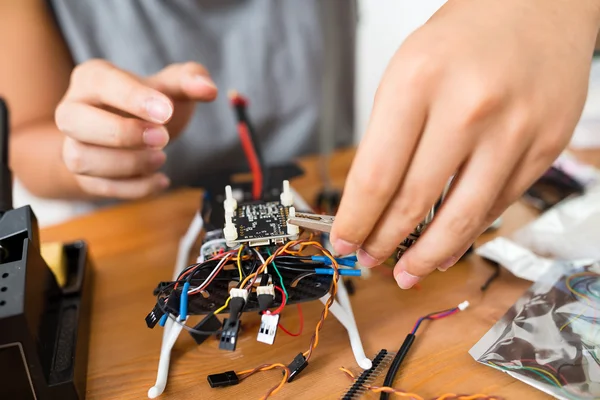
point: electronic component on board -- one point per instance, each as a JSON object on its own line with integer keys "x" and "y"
{"x": 259, "y": 223}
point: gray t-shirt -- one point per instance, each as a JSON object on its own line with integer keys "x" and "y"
{"x": 271, "y": 51}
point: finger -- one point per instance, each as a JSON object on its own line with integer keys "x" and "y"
{"x": 93, "y": 125}
{"x": 381, "y": 160}
{"x": 185, "y": 81}
{"x": 464, "y": 212}
{"x": 527, "y": 172}
{"x": 436, "y": 159}
{"x": 457, "y": 256}
{"x": 135, "y": 188}
{"x": 104, "y": 162}
{"x": 97, "y": 82}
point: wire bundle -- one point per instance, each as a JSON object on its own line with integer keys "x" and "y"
{"x": 580, "y": 287}
{"x": 187, "y": 284}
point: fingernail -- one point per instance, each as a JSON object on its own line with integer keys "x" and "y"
{"x": 156, "y": 137}
{"x": 406, "y": 280}
{"x": 157, "y": 158}
{"x": 164, "y": 182}
{"x": 450, "y": 261}
{"x": 366, "y": 260}
{"x": 201, "y": 80}
{"x": 343, "y": 247}
{"x": 158, "y": 109}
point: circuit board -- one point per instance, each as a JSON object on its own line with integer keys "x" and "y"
{"x": 261, "y": 223}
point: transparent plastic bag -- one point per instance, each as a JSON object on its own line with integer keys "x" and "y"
{"x": 550, "y": 338}
{"x": 568, "y": 231}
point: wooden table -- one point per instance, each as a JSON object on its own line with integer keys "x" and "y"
{"x": 134, "y": 246}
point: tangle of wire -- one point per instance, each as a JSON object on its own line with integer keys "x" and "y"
{"x": 221, "y": 259}
{"x": 585, "y": 293}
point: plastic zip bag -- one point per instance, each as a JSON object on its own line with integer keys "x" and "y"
{"x": 550, "y": 339}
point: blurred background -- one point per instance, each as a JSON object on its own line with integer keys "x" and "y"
{"x": 382, "y": 27}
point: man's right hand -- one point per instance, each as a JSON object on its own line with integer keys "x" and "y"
{"x": 117, "y": 124}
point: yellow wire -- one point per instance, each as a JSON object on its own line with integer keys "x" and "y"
{"x": 379, "y": 389}
{"x": 224, "y": 306}
{"x": 394, "y": 391}
{"x": 576, "y": 293}
{"x": 239, "y": 262}
{"x": 547, "y": 373}
{"x": 572, "y": 320}
{"x": 552, "y": 377}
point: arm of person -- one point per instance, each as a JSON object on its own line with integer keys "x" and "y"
{"x": 94, "y": 130}
{"x": 34, "y": 75}
{"x": 486, "y": 91}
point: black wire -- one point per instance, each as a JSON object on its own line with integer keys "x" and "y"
{"x": 493, "y": 277}
{"x": 395, "y": 366}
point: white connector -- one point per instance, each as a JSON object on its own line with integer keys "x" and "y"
{"x": 230, "y": 203}
{"x": 292, "y": 229}
{"x": 269, "y": 289}
{"x": 286, "y": 197}
{"x": 235, "y": 292}
{"x": 229, "y": 231}
{"x": 268, "y": 328}
{"x": 463, "y": 306}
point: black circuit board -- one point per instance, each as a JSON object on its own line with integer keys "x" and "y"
{"x": 261, "y": 221}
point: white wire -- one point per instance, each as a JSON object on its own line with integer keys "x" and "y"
{"x": 209, "y": 277}
{"x": 262, "y": 260}
{"x": 214, "y": 242}
{"x": 171, "y": 331}
{"x": 165, "y": 358}
{"x": 186, "y": 243}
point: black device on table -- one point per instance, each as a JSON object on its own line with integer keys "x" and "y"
{"x": 43, "y": 326}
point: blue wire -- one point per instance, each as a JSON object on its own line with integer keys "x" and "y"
{"x": 183, "y": 302}
{"x": 163, "y": 319}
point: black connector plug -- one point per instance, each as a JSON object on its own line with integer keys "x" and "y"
{"x": 155, "y": 315}
{"x": 224, "y": 379}
{"x": 264, "y": 302}
{"x": 210, "y": 323}
{"x": 229, "y": 335}
{"x": 173, "y": 303}
{"x": 297, "y": 366}
{"x": 236, "y": 305}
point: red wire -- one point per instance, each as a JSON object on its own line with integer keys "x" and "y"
{"x": 547, "y": 366}
{"x": 301, "y": 323}
{"x": 280, "y": 308}
{"x": 252, "y": 157}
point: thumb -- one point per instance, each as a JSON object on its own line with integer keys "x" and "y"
{"x": 186, "y": 81}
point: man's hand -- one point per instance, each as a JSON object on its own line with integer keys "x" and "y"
{"x": 117, "y": 124}
{"x": 490, "y": 90}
